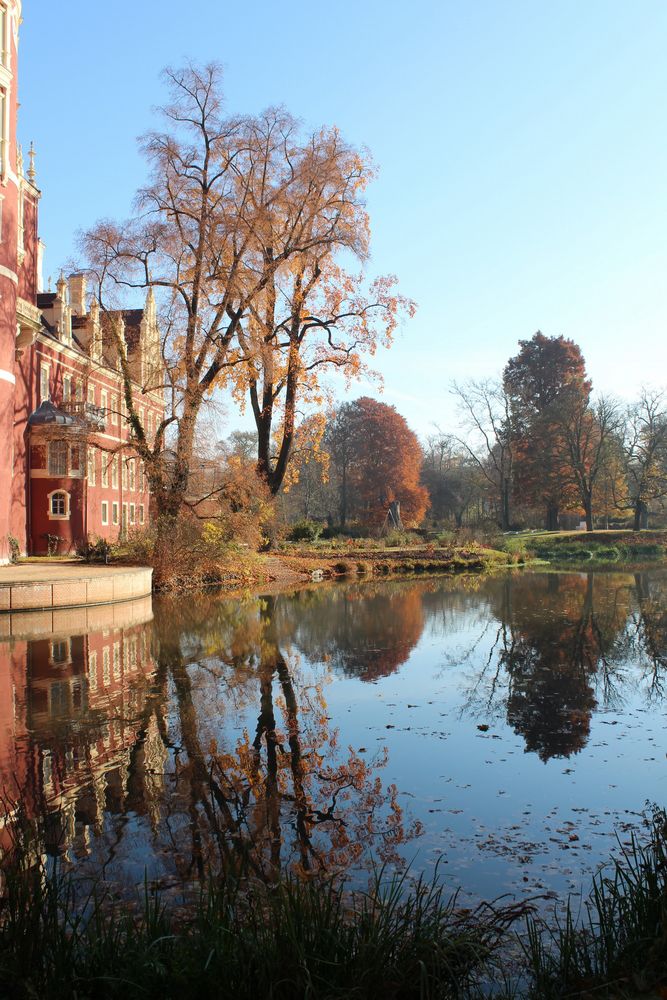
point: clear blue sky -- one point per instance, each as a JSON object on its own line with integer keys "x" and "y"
{"x": 522, "y": 150}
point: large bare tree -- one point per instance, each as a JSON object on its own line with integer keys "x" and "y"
{"x": 485, "y": 409}
{"x": 645, "y": 453}
{"x": 588, "y": 430}
{"x": 231, "y": 203}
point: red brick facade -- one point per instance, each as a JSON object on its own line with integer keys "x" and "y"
{"x": 67, "y": 468}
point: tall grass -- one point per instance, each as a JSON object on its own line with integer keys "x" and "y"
{"x": 618, "y": 946}
{"x": 243, "y": 939}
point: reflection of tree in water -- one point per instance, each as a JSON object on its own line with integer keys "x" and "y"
{"x": 558, "y": 641}
{"x": 363, "y": 630}
{"x": 551, "y": 660}
{"x": 647, "y": 631}
{"x": 285, "y": 795}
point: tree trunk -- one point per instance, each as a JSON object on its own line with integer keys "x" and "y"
{"x": 505, "y": 506}
{"x": 552, "y": 516}
{"x": 394, "y": 515}
{"x": 343, "y": 497}
{"x": 641, "y": 515}
{"x": 588, "y": 511}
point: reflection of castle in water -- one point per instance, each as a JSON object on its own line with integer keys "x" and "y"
{"x": 73, "y": 723}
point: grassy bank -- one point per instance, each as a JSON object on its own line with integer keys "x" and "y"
{"x": 586, "y": 547}
{"x": 355, "y": 559}
{"x": 243, "y": 939}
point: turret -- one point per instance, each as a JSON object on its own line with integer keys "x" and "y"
{"x": 62, "y": 314}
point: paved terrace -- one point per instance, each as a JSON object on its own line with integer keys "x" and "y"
{"x": 47, "y": 585}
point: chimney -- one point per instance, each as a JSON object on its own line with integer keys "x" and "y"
{"x": 77, "y": 294}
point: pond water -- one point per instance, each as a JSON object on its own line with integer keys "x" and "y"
{"x": 507, "y": 729}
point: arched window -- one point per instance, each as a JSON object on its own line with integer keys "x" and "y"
{"x": 59, "y": 505}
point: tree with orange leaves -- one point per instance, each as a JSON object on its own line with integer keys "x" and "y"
{"x": 377, "y": 461}
{"x": 545, "y": 382}
{"x": 237, "y": 234}
{"x": 314, "y": 318}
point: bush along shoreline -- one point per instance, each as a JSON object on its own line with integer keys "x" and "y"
{"x": 203, "y": 556}
{"x": 242, "y": 938}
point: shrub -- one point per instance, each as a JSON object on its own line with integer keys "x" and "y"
{"x": 198, "y": 554}
{"x": 93, "y": 550}
{"x": 53, "y": 543}
{"x": 137, "y": 547}
{"x": 14, "y": 548}
{"x": 305, "y": 531}
{"x": 400, "y": 539}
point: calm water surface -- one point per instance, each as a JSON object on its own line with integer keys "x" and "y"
{"x": 508, "y": 728}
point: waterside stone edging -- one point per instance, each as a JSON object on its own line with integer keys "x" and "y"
{"x": 71, "y": 587}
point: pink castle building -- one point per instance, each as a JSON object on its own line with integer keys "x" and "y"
{"x": 67, "y": 467}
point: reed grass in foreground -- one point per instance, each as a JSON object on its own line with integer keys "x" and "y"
{"x": 247, "y": 940}
{"x": 618, "y": 947}
{"x": 312, "y": 939}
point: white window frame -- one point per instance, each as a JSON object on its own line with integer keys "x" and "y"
{"x": 113, "y": 402}
{"x": 105, "y": 461}
{"x": 92, "y": 464}
{"x": 66, "y": 514}
{"x": 105, "y": 512}
{"x": 91, "y": 393}
{"x": 114, "y": 512}
{"x": 4, "y": 35}
{"x": 4, "y": 138}
{"x": 66, "y": 646}
{"x": 114, "y": 472}
{"x": 44, "y": 376}
{"x": 141, "y": 513}
{"x": 67, "y": 388}
{"x": 132, "y": 474}
{"x": 132, "y": 514}
{"x": 92, "y": 671}
{"x": 75, "y": 449}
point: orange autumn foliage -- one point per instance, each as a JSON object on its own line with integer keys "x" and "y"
{"x": 383, "y": 461}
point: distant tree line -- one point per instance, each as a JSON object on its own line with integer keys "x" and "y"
{"x": 537, "y": 447}
{"x": 534, "y": 447}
